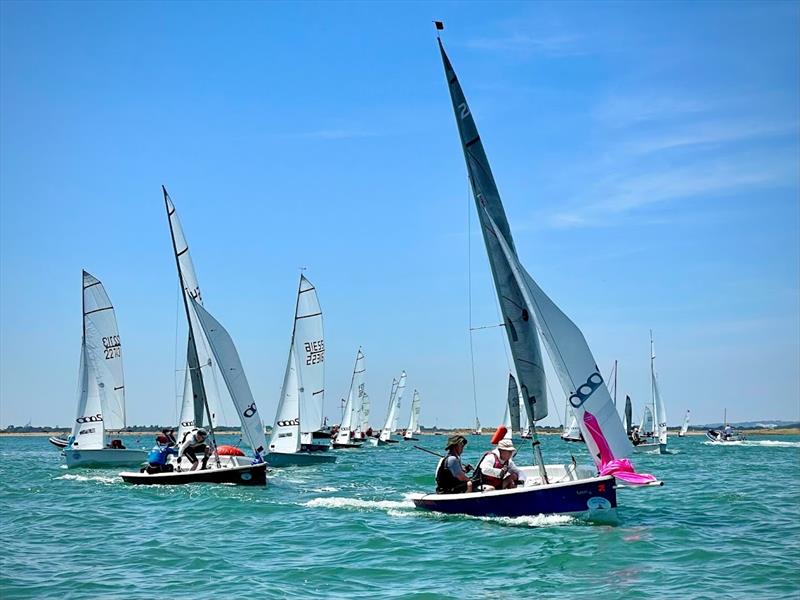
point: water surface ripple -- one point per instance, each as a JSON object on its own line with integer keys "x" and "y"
{"x": 727, "y": 523}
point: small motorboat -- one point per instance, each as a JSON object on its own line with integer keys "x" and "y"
{"x": 235, "y": 470}
{"x": 720, "y": 437}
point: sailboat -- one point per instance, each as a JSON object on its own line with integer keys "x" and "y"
{"x": 101, "y": 389}
{"x": 210, "y": 351}
{"x": 685, "y": 426}
{"x": 299, "y": 414}
{"x": 653, "y": 428}
{"x": 392, "y": 412}
{"x": 478, "y": 429}
{"x": 346, "y": 436}
{"x": 413, "y": 420}
{"x": 527, "y": 314}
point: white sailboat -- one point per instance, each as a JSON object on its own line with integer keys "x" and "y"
{"x": 346, "y": 436}
{"x": 527, "y": 314}
{"x": 652, "y": 434}
{"x": 211, "y": 353}
{"x": 390, "y": 425}
{"x": 685, "y": 426}
{"x": 101, "y": 389}
{"x": 413, "y": 420}
{"x": 478, "y": 429}
{"x": 299, "y": 414}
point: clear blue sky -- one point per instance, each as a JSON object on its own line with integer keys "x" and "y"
{"x": 647, "y": 155}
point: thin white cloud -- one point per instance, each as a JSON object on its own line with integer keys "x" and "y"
{"x": 524, "y": 43}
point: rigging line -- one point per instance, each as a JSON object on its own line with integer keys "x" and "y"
{"x": 487, "y": 327}
{"x": 177, "y": 403}
{"x": 469, "y": 295}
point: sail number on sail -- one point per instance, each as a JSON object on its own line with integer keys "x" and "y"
{"x": 315, "y": 352}
{"x": 582, "y": 394}
{"x": 112, "y": 345}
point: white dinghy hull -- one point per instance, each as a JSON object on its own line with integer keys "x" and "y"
{"x": 104, "y": 457}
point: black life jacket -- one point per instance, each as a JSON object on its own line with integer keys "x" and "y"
{"x": 446, "y": 482}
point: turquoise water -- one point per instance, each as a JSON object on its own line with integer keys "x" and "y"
{"x": 726, "y": 523}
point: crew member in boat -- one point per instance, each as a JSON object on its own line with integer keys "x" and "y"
{"x": 194, "y": 443}
{"x": 169, "y": 433}
{"x": 727, "y": 432}
{"x": 498, "y": 470}
{"x": 635, "y": 438}
{"x": 451, "y": 475}
{"x": 157, "y": 459}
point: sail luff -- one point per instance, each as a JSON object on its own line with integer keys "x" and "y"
{"x": 520, "y": 329}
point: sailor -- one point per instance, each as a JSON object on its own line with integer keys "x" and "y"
{"x": 169, "y": 433}
{"x": 728, "y": 432}
{"x": 451, "y": 475}
{"x": 157, "y": 459}
{"x": 194, "y": 443}
{"x": 498, "y": 470}
{"x": 635, "y": 436}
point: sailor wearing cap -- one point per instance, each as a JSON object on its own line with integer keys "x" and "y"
{"x": 497, "y": 468}
{"x": 451, "y": 476}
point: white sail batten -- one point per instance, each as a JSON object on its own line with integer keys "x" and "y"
{"x": 230, "y": 367}
{"x": 309, "y": 348}
{"x": 520, "y": 329}
{"x": 285, "y": 435}
{"x": 574, "y": 364}
{"x": 101, "y": 387}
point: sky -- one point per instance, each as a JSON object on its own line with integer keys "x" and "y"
{"x": 648, "y": 156}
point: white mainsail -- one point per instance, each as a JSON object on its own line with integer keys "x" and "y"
{"x": 352, "y": 406}
{"x": 659, "y": 410}
{"x": 413, "y": 419}
{"x": 364, "y": 418}
{"x": 647, "y": 426}
{"x": 573, "y": 430}
{"x": 520, "y": 329}
{"x": 200, "y": 382}
{"x": 574, "y": 364}
{"x": 685, "y": 426}
{"x": 309, "y": 350}
{"x": 285, "y": 437}
{"x": 394, "y": 402}
{"x": 398, "y": 397}
{"x": 101, "y": 387}
{"x": 230, "y": 367}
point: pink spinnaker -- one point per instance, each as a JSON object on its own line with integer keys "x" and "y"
{"x": 621, "y": 468}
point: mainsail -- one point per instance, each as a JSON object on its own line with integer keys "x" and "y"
{"x": 685, "y": 426}
{"x": 413, "y": 420}
{"x": 660, "y": 412}
{"x": 352, "y": 406}
{"x": 200, "y": 389}
{"x": 101, "y": 387}
{"x": 513, "y": 404}
{"x": 398, "y": 397}
{"x": 309, "y": 349}
{"x": 233, "y": 373}
{"x": 520, "y": 327}
{"x": 394, "y": 403}
{"x": 648, "y": 422}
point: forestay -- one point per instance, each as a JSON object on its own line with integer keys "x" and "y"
{"x": 309, "y": 349}
{"x": 101, "y": 388}
{"x": 520, "y": 328}
{"x": 574, "y": 364}
{"x": 230, "y": 367}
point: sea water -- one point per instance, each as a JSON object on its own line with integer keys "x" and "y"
{"x": 726, "y": 524}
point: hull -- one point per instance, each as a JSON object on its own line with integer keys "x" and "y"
{"x": 298, "y": 459}
{"x": 651, "y": 447}
{"x": 570, "y": 439}
{"x": 719, "y": 438}
{"x": 593, "y": 498}
{"x": 410, "y": 439}
{"x": 104, "y": 457}
{"x": 337, "y": 446}
{"x": 58, "y": 442}
{"x": 237, "y": 475}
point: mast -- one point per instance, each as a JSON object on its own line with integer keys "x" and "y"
{"x": 193, "y": 361}
{"x": 653, "y": 383}
{"x": 615, "y": 383}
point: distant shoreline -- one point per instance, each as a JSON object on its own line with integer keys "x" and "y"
{"x": 442, "y": 432}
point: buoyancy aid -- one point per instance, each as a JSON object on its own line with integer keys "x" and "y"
{"x": 446, "y": 482}
{"x": 496, "y": 482}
